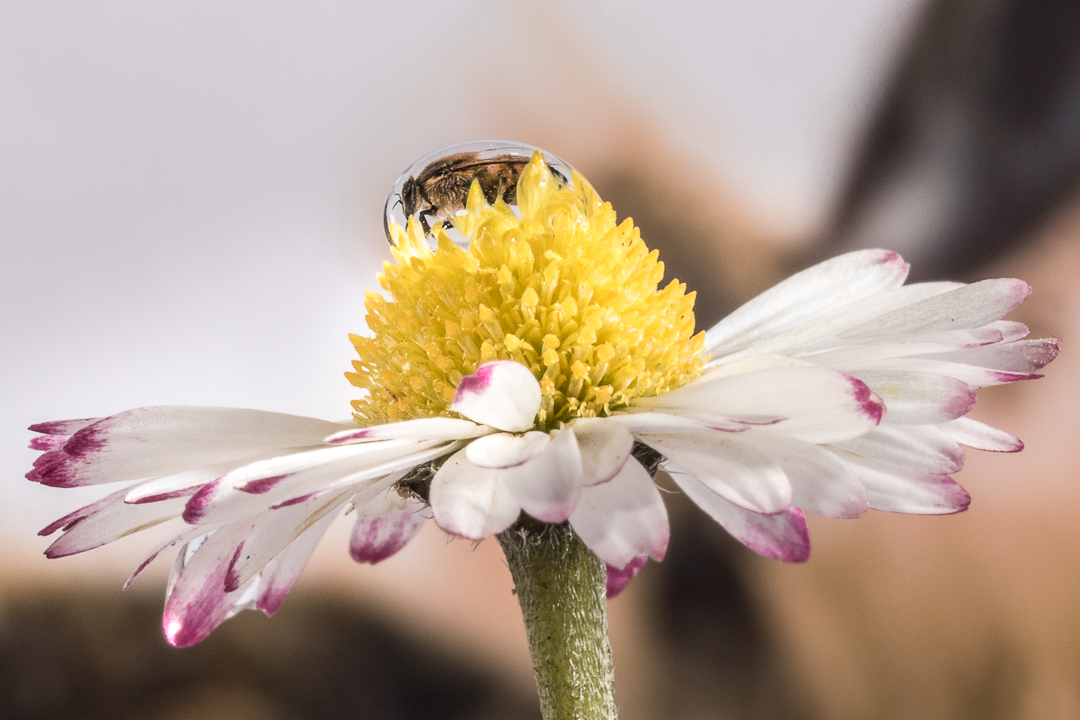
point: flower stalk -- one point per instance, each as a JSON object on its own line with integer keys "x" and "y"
{"x": 561, "y": 587}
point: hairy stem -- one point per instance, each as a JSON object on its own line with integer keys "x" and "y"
{"x": 562, "y": 590}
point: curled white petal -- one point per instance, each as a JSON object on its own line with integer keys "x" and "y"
{"x": 502, "y": 394}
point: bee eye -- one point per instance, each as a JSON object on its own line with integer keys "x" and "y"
{"x": 436, "y": 187}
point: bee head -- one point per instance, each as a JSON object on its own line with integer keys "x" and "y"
{"x": 409, "y": 199}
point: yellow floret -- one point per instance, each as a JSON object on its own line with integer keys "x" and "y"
{"x": 563, "y": 289}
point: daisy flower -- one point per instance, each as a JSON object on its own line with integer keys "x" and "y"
{"x": 537, "y": 374}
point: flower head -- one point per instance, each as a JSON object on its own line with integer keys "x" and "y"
{"x": 541, "y": 373}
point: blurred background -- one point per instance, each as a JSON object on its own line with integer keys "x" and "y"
{"x": 190, "y": 213}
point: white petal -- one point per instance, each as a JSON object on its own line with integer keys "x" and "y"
{"x": 919, "y": 398}
{"x": 623, "y": 518}
{"x": 782, "y": 536}
{"x": 436, "y": 428}
{"x": 923, "y": 448}
{"x": 968, "y": 306}
{"x": 605, "y": 446}
{"x": 156, "y": 441}
{"x": 732, "y": 469}
{"x": 810, "y": 402}
{"x": 470, "y": 501}
{"x": 548, "y": 486}
{"x": 658, "y": 422}
{"x": 502, "y": 394}
{"x": 820, "y": 482}
{"x": 806, "y": 295}
{"x": 981, "y": 436}
{"x": 505, "y": 450}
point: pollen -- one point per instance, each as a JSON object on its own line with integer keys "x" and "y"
{"x": 562, "y": 288}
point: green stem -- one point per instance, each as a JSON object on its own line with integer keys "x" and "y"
{"x": 562, "y": 590}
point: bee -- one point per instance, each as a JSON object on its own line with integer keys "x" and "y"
{"x": 442, "y": 187}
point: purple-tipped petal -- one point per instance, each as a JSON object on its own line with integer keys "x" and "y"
{"x": 624, "y": 518}
{"x": 197, "y": 602}
{"x": 279, "y": 575}
{"x": 110, "y": 519}
{"x": 502, "y": 394}
{"x": 385, "y": 525}
{"x": 274, "y": 531}
{"x": 155, "y": 441}
{"x": 782, "y": 536}
{"x": 62, "y": 427}
{"x": 619, "y": 578}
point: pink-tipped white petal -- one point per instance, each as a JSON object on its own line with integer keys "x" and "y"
{"x": 1023, "y": 356}
{"x": 605, "y": 446}
{"x": 741, "y": 473}
{"x": 503, "y": 450}
{"x": 157, "y": 441}
{"x": 182, "y": 539}
{"x": 111, "y": 519}
{"x": 63, "y": 427}
{"x": 436, "y": 428}
{"x": 384, "y": 525}
{"x": 624, "y": 518}
{"x": 502, "y": 394}
{"x": 919, "y": 398}
{"x": 274, "y": 531}
{"x": 806, "y": 295}
{"x": 197, "y": 601}
{"x": 619, "y": 578}
{"x": 967, "y": 306}
{"x": 981, "y": 436}
{"x": 903, "y": 490}
{"x": 548, "y": 486}
{"x": 471, "y": 501}
{"x": 808, "y": 401}
{"x": 781, "y": 536}
{"x": 277, "y": 578}
{"x": 260, "y": 486}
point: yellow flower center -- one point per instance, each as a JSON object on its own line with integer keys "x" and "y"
{"x": 563, "y": 289}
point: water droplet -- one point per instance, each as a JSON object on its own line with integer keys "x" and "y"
{"x": 436, "y": 186}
